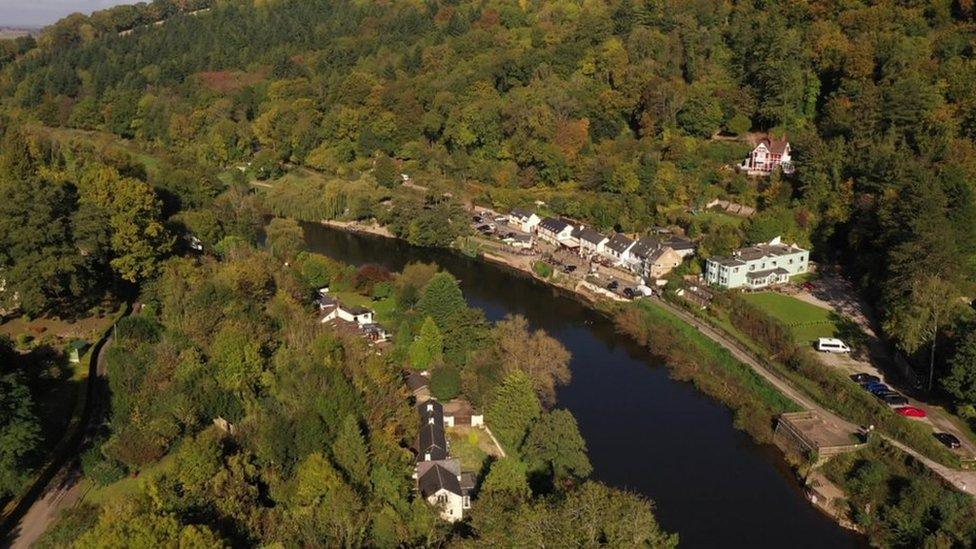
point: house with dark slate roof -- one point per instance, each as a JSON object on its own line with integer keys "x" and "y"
{"x": 554, "y": 230}
{"x": 618, "y": 248}
{"x": 590, "y": 241}
{"x": 444, "y": 485}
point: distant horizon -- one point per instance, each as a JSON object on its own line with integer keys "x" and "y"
{"x": 36, "y": 14}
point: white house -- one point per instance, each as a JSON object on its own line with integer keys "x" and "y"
{"x": 758, "y": 266}
{"x": 444, "y": 485}
{"x": 769, "y": 154}
{"x": 525, "y": 220}
{"x": 555, "y": 231}
{"x": 590, "y": 241}
{"x": 335, "y": 310}
{"x": 618, "y": 248}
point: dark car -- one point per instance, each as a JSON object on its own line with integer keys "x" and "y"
{"x": 874, "y": 385}
{"x": 893, "y": 399}
{"x": 613, "y": 285}
{"x": 950, "y": 441}
{"x": 865, "y": 378}
{"x": 880, "y": 389}
{"x": 630, "y": 293}
{"x": 569, "y": 268}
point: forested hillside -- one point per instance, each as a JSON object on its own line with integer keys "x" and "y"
{"x": 629, "y": 101}
{"x": 622, "y": 113}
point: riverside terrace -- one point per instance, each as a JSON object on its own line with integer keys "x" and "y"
{"x": 649, "y": 257}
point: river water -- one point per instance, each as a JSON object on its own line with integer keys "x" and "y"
{"x": 645, "y": 432}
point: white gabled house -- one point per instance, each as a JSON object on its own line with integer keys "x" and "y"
{"x": 590, "y": 241}
{"x": 618, "y": 248}
{"x": 333, "y": 310}
{"x": 525, "y": 220}
{"x": 555, "y": 231}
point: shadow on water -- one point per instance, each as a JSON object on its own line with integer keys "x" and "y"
{"x": 645, "y": 431}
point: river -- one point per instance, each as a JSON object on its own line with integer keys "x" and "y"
{"x": 646, "y": 432}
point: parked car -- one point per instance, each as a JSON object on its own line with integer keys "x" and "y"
{"x": 630, "y": 293}
{"x": 569, "y": 268}
{"x": 911, "y": 411}
{"x": 871, "y": 386}
{"x": 808, "y": 286}
{"x": 949, "y": 440}
{"x": 613, "y": 285}
{"x": 893, "y": 399}
{"x": 880, "y": 389}
{"x": 865, "y": 378}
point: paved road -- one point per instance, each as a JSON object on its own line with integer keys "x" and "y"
{"x": 963, "y": 480}
{"x": 65, "y": 488}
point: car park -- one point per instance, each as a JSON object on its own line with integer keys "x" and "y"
{"x": 893, "y": 399}
{"x": 872, "y": 386}
{"x": 865, "y": 378}
{"x": 832, "y": 345}
{"x": 949, "y": 440}
{"x": 911, "y": 411}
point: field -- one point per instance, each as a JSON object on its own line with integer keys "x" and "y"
{"x": 806, "y": 322}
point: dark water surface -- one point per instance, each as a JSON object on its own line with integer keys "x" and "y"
{"x": 648, "y": 433}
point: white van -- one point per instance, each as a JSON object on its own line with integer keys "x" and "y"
{"x": 831, "y": 345}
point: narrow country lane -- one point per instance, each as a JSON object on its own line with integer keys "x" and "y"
{"x": 65, "y": 489}
{"x": 962, "y": 480}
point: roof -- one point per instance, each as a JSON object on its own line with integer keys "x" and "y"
{"x": 416, "y": 381}
{"x": 679, "y": 243}
{"x": 468, "y": 481}
{"x": 459, "y": 407}
{"x": 776, "y": 146}
{"x": 619, "y": 243}
{"x": 438, "y": 478}
{"x": 521, "y": 213}
{"x": 645, "y": 246}
{"x": 656, "y": 254}
{"x": 589, "y": 235}
{"x": 764, "y": 274}
{"x": 357, "y": 310}
{"x": 432, "y": 441}
{"x": 327, "y": 301}
{"x": 429, "y": 409}
{"x": 553, "y": 225}
{"x": 760, "y": 251}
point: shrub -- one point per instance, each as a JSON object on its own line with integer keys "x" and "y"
{"x": 542, "y": 269}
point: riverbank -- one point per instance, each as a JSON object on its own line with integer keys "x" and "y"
{"x": 646, "y": 431}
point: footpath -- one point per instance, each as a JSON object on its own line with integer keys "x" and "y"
{"x": 962, "y": 480}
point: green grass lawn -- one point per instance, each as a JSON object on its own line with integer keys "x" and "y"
{"x": 383, "y": 309}
{"x": 807, "y": 322}
{"x": 467, "y": 446}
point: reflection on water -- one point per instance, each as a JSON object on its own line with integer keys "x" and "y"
{"x": 645, "y": 432}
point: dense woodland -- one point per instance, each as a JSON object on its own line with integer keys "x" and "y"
{"x": 623, "y": 113}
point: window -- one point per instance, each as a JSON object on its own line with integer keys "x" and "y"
{"x": 752, "y": 267}
{"x": 735, "y": 270}
{"x": 441, "y": 499}
{"x": 466, "y": 502}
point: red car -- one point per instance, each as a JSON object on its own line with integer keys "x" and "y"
{"x": 911, "y": 411}
{"x": 808, "y": 286}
